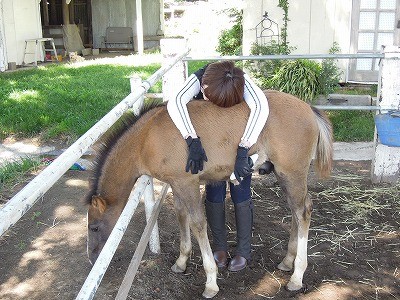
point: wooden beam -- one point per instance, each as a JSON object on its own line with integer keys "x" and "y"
{"x": 53, "y": 12}
{"x": 139, "y": 27}
{"x": 137, "y": 256}
{"x": 71, "y": 11}
{"x": 45, "y": 11}
{"x": 65, "y": 12}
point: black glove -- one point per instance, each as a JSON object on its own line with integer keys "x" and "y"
{"x": 196, "y": 155}
{"x": 243, "y": 163}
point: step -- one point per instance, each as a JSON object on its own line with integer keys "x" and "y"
{"x": 54, "y": 36}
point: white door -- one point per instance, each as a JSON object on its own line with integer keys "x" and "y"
{"x": 374, "y": 23}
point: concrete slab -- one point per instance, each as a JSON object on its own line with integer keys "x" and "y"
{"x": 353, "y": 151}
{"x": 346, "y": 100}
{"x": 14, "y": 150}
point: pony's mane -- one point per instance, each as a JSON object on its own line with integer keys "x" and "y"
{"x": 109, "y": 140}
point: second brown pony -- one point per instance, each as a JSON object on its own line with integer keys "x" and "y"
{"x": 294, "y": 134}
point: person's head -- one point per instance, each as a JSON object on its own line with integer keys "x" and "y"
{"x": 223, "y": 83}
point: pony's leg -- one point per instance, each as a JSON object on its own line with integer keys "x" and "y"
{"x": 185, "y": 241}
{"x": 198, "y": 224}
{"x": 301, "y": 207}
{"x": 287, "y": 262}
{"x": 191, "y": 194}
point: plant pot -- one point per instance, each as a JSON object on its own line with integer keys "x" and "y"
{"x": 388, "y": 127}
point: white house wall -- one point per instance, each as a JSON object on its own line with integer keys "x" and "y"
{"x": 313, "y": 27}
{"x": 3, "y": 57}
{"x": 21, "y": 20}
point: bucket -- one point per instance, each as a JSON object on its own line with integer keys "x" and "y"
{"x": 59, "y": 58}
{"x": 388, "y": 127}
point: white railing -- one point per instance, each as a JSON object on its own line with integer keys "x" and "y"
{"x": 144, "y": 187}
{"x": 18, "y": 205}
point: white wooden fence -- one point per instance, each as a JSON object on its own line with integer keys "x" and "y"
{"x": 388, "y": 93}
{"x": 17, "y": 206}
{"x": 34, "y": 190}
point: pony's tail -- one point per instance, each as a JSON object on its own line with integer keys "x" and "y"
{"x": 324, "y": 150}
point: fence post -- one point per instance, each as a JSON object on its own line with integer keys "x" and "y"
{"x": 386, "y": 162}
{"x": 98, "y": 270}
{"x": 136, "y": 83}
{"x": 176, "y": 76}
{"x": 149, "y": 202}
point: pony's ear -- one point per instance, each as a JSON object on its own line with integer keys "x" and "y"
{"x": 99, "y": 203}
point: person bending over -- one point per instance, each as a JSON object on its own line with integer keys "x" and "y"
{"x": 225, "y": 85}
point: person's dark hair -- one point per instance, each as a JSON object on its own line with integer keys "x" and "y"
{"x": 223, "y": 83}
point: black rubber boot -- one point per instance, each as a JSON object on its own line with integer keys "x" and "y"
{"x": 244, "y": 224}
{"x": 215, "y": 213}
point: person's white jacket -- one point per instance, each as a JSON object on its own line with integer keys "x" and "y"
{"x": 253, "y": 96}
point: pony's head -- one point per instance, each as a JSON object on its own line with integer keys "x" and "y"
{"x": 112, "y": 181}
{"x": 101, "y": 219}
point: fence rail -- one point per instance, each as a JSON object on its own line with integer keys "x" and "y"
{"x": 347, "y": 107}
{"x": 300, "y": 56}
{"x": 92, "y": 282}
{"x": 283, "y": 57}
{"x": 98, "y": 270}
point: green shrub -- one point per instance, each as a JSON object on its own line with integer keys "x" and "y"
{"x": 330, "y": 73}
{"x": 315, "y": 78}
{"x": 230, "y": 40}
{"x": 299, "y": 78}
{"x": 264, "y": 70}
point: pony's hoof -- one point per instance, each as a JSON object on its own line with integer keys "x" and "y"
{"x": 284, "y": 267}
{"x": 299, "y": 288}
{"x": 210, "y": 293}
{"x": 176, "y": 269}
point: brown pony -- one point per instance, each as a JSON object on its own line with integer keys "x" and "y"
{"x": 152, "y": 145}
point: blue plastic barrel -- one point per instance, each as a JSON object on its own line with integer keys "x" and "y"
{"x": 388, "y": 127}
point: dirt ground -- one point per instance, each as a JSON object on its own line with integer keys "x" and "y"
{"x": 353, "y": 246}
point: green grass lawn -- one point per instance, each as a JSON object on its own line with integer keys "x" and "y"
{"x": 14, "y": 172}
{"x": 353, "y": 125}
{"x": 60, "y": 100}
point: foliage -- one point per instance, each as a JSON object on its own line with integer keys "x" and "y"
{"x": 13, "y": 172}
{"x": 330, "y": 73}
{"x": 315, "y": 78}
{"x": 58, "y": 101}
{"x": 299, "y": 78}
{"x": 284, "y": 4}
{"x": 230, "y": 40}
{"x": 264, "y": 70}
{"x": 194, "y": 65}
